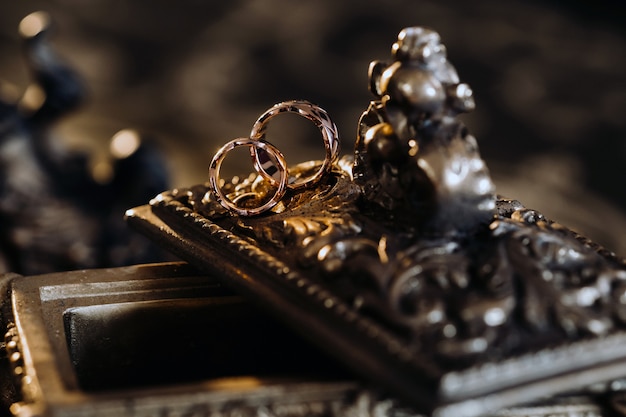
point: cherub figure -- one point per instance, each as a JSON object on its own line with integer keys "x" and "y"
{"x": 413, "y": 157}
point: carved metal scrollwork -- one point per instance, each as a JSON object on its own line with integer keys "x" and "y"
{"x": 478, "y": 295}
{"x": 411, "y": 233}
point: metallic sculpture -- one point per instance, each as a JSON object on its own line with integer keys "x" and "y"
{"x": 413, "y": 156}
{"x": 403, "y": 262}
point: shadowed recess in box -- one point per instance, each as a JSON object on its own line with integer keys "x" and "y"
{"x": 166, "y": 342}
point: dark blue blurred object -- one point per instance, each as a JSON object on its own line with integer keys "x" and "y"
{"x": 54, "y": 215}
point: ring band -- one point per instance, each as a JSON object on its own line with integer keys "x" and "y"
{"x": 263, "y": 163}
{"x": 267, "y": 148}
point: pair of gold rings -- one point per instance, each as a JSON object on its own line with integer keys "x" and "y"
{"x": 269, "y": 162}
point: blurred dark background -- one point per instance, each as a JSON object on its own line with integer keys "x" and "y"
{"x": 548, "y": 77}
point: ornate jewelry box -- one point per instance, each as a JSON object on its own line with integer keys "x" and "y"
{"x": 390, "y": 281}
{"x": 400, "y": 260}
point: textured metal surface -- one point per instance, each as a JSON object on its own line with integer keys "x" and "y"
{"x": 440, "y": 336}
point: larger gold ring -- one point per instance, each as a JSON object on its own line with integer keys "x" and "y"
{"x": 263, "y": 162}
{"x": 280, "y": 184}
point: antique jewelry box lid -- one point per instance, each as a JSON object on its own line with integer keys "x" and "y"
{"x": 400, "y": 260}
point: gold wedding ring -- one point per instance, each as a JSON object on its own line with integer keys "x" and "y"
{"x": 263, "y": 163}
{"x": 270, "y": 163}
{"x": 216, "y": 164}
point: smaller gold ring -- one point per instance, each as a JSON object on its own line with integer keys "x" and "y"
{"x": 216, "y": 164}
